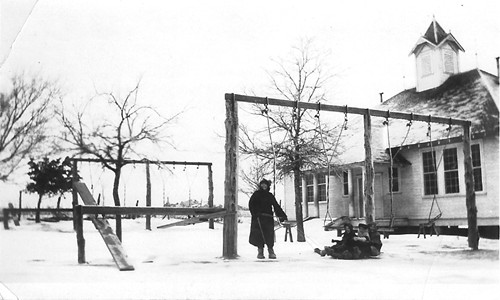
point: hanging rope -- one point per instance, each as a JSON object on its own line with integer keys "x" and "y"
{"x": 266, "y": 112}
{"x": 329, "y": 158}
{"x": 391, "y": 170}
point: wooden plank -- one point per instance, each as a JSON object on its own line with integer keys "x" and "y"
{"x": 195, "y": 220}
{"x": 110, "y": 239}
{"x": 113, "y": 243}
{"x": 84, "y": 193}
{"x": 346, "y": 109}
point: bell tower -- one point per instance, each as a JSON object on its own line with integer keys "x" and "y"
{"x": 436, "y": 57}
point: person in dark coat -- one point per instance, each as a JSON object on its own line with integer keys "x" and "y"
{"x": 261, "y": 206}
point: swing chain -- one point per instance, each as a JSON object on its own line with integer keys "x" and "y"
{"x": 386, "y": 122}
{"x": 317, "y": 111}
{"x": 266, "y": 108}
{"x": 411, "y": 120}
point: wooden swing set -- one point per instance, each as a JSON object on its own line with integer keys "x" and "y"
{"x": 232, "y": 164}
{"x": 112, "y": 240}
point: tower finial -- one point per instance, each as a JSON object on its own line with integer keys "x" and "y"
{"x": 435, "y": 29}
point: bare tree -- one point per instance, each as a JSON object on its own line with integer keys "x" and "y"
{"x": 294, "y": 141}
{"x": 24, "y": 115}
{"x": 118, "y": 136}
{"x": 251, "y": 176}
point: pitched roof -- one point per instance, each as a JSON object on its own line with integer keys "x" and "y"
{"x": 435, "y": 36}
{"x": 435, "y": 33}
{"x": 471, "y": 95}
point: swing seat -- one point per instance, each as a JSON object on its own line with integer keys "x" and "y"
{"x": 431, "y": 224}
{"x": 386, "y": 231}
{"x": 288, "y": 228}
{"x": 337, "y": 224}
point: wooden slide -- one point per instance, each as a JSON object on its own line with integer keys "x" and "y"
{"x": 110, "y": 239}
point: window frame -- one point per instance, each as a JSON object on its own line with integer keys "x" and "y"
{"x": 426, "y": 64}
{"x": 427, "y": 175}
{"x": 449, "y": 60}
{"x": 321, "y": 185}
{"x": 394, "y": 178}
{"x": 477, "y": 167}
{"x": 345, "y": 183}
{"x": 309, "y": 188}
{"x": 450, "y": 171}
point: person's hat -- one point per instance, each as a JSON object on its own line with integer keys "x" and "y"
{"x": 363, "y": 225}
{"x": 268, "y": 182}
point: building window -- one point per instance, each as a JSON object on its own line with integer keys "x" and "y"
{"x": 345, "y": 183}
{"x": 425, "y": 65}
{"x": 395, "y": 179}
{"x": 476, "y": 168}
{"x": 309, "y": 188}
{"x": 449, "y": 62}
{"x": 451, "y": 181}
{"x": 322, "y": 187}
{"x": 430, "y": 175}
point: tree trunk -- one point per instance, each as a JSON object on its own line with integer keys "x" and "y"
{"x": 116, "y": 198}
{"x": 37, "y": 216}
{"x": 298, "y": 206}
{"x": 58, "y": 207}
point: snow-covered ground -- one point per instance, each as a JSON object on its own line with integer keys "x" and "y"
{"x": 39, "y": 261}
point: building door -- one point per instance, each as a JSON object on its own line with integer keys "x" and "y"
{"x": 359, "y": 197}
{"x": 379, "y": 196}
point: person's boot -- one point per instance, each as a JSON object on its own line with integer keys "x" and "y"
{"x": 272, "y": 255}
{"x": 260, "y": 255}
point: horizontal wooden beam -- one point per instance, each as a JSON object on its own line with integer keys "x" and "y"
{"x": 195, "y": 220}
{"x": 53, "y": 210}
{"x": 158, "y": 162}
{"x": 121, "y": 210}
{"x": 348, "y": 109}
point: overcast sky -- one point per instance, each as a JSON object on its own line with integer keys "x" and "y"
{"x": 189, "y": 53}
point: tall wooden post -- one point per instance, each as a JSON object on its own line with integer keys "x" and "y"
{"x": 230, "y": 228}
{"x": 470, "y": 195}
{"x": 80, "y": 240}
{"x": 74, "y": 176}
{"x": 369, "y": 172}
{"x": 210, "y": 194}
{"x": 20, "y": 204}
{"x": 148, "y": 195}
